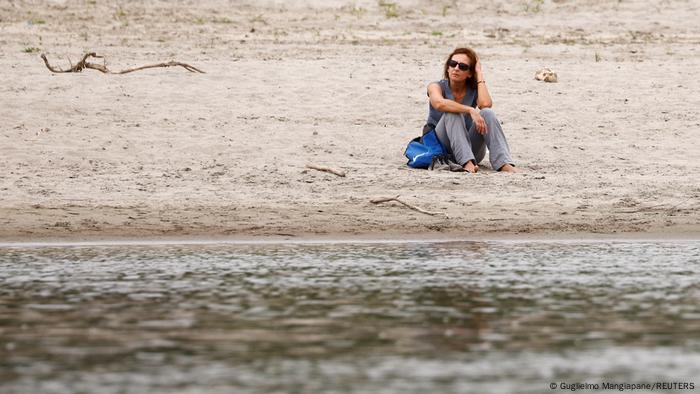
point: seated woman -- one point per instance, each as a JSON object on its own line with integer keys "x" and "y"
{"x": 464, "y": 131}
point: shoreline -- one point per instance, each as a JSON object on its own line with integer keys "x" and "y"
{"x": 376, "y": 238}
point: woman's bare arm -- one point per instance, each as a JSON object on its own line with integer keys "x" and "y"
{"x": 442, "y": 104}
{"x": 483, "y": 97}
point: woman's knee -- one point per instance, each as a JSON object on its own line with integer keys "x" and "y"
{"x": 488, "y": 114}
{"x": 453, "y": 122}
{"x": 452, "y": 115}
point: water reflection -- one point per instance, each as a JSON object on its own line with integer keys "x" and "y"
{"x": 421, "y": 317}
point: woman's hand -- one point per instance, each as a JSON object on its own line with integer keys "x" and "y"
{"x": 479, "y": 122}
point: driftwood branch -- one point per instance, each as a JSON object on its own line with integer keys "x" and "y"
{"x": 171, "y": 63}
{"x": 83, "y": 64}
{"x": 415, "y": 208}
{"x": 326, "y": 169}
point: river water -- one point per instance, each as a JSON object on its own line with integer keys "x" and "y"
{"x": 416, "y": 317}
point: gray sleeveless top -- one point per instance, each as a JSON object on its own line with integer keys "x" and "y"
{"x": 435, "y": 115}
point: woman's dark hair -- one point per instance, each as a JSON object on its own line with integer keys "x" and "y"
{"x": 471, "y": 82}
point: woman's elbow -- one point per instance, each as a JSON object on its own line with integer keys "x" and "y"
{"x": 485, "y": 104}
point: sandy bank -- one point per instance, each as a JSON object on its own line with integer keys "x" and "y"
{"x": 612, "y": 148}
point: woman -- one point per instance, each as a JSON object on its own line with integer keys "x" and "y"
{"x": 464, "y": 131}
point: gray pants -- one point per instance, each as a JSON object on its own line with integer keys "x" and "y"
{"x": 465, "y": 145}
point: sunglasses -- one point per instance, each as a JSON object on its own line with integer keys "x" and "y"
{"x": 461, "y": 66}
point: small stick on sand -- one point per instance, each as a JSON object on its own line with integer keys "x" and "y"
{"x": 326, "y": 169}
{"x": 83, "y": 64}
{"x": 415, "y": 208}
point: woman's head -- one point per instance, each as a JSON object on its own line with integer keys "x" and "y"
{"x": 459, "y": 66}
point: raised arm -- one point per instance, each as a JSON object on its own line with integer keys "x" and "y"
{"x": 483, "y": 97}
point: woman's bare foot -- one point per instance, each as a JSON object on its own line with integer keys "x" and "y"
{"x": 471, "y": 167}
{"x": 508, "y": 168}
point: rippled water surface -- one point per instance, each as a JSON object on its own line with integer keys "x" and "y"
{"x": 383, "y": 318}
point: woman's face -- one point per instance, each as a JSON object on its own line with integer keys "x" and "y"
{"x": 454, "y": 71}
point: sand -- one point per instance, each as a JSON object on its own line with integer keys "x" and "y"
{"x": 611, "y": 148}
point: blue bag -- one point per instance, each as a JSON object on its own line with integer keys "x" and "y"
{"x": 421, "y": 150}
